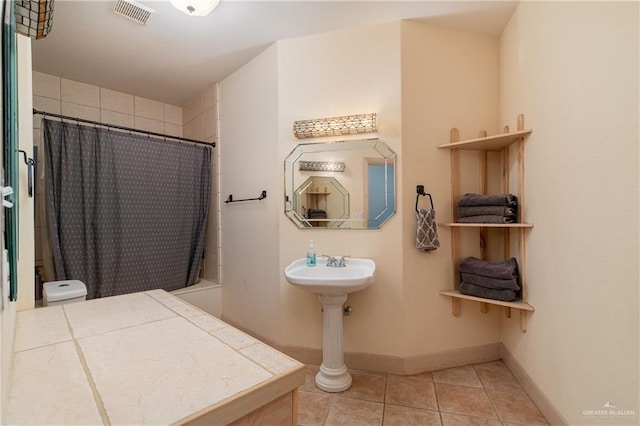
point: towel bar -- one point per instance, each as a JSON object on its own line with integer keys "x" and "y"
{"x": 420, "y": 191}
{"x": 230, "y": 199}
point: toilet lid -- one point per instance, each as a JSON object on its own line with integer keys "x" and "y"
{"x": 63, "y": 290}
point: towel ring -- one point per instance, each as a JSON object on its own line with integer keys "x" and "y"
{"x": 420, "y": 191}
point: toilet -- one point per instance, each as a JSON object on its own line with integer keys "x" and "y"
{"x": 62, "y": 292}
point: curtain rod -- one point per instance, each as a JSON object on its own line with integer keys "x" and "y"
{"x": 128, "y": 129}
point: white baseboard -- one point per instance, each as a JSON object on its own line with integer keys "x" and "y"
{"x": 390, "y": 364}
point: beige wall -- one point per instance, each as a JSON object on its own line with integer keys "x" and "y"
{"x": 572, "y": 69}
{"x": 248, "y": 147}
{"x": 343, "y": 73}
{"x": 449, "y": 79}
{"x": 76, "y": 99}
{"x": 417, "y": 79}
{"x": 200, "y": 118}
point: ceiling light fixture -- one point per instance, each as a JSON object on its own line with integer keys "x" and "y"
{"x": 195, "y": 7}
{"x": 34, "y": 18}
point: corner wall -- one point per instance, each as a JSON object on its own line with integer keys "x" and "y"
{"x": 449, "y": 79}
{"x": 200, "y": 122}
{"x": 572, "y": 69}
{"x": 249, "y": 163}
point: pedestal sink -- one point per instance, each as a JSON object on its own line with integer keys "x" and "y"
{"x": 332, "y": 284}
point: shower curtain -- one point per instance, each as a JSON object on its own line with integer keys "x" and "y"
{"x": 125, "y": 212}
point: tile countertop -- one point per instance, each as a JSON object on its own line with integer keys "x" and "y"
{"x": 141, "y": 358}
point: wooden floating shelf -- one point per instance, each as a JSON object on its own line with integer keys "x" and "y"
{"x": 488, "y": 143}
{"x": 514, "y": 305}
{"x": 456, "y": 309}
{"x": 488, "y": 225}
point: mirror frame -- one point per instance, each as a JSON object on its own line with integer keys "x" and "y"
{"x": 372, "y": 148}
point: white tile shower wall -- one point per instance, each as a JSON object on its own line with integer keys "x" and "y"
{"x": 61, "y": 96}
{"x": 201, "y": 122}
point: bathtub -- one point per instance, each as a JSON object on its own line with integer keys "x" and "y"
{"x": 205, "y": 295}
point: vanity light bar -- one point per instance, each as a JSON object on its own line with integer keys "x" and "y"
{"x": 334, "y": 126}
{"x": 322, "y": 166}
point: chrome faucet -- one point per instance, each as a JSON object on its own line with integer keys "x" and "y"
{"x": 336, "y": 262}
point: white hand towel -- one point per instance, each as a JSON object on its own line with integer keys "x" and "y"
{"x": 427, "y": 235}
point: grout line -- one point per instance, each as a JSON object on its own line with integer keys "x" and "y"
{"x": 440, "y": 412}
{"x": 92, "y": 384}
{"x": 487, "y": 393}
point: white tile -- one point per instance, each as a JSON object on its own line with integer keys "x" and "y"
{"x": 188, "y": 130}
{"x": 49, "y": 387}
{"x": 211, "y": 239}
{"x": 80, "y": 93}
{"x": 149, "y": 108}
{"x": 186, "y": 311}
{"x": 208, "y": 323}
{"x": 116, "y": 101}
{"x": 166, "y": 370}
{"x": 81, "y": 111}
{"x": 42, "y": 103}
{"x": 234, "y": 338}
{"x": 116, "y": 118}
{"x": 193, "y": 108}
{"x": 98, "y": 316}
{"x": 46, "y": 85}
{"x": 210, "y": 265}
{"x": 210, "y": 96}
{"x": 172, "y": 129}
{"x": 45, "y": 104}
{"x": 209, "y": 124}
{"x": 142, "y": 123}
{"x": 197, "y": 127}
{"x": 40, "y": 327}
{"x": 172, "y": 114}
{"x": 171, "y": 302}
{"x": 269, "y": 358}
{"x": 159, "y": 294}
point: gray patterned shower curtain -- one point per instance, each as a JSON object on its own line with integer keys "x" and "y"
{"x": 125, "y": 212}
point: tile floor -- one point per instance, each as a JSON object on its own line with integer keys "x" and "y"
{"x": 481, "y": 394}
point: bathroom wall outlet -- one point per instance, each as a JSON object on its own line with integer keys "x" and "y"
{"x": 357, "y": 215}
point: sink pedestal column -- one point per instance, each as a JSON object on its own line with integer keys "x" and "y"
{"x": 333, "y": 375}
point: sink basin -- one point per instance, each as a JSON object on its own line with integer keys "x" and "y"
{"x": 331, "y": 281}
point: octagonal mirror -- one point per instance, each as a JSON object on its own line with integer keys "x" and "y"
{"x": 320, "y": 200}
{"x": 340, "y": 185}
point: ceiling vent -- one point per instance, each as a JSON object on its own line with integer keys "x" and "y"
{"x": 133, "y": 10}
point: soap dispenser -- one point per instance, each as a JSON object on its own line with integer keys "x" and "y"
{"x": 311, "y": 255}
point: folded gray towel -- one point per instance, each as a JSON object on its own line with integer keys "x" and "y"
{"x": 506, "y": 270}
{"x": 469, "y": 200}
{"x": 486, "y": 210}
{"x": 487, "y": 293}
{"x": 488, "y": 282}
{"x": 488, "y": 219}
{"x": 316, "y": 214}
{"x": 427, "y": 232}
